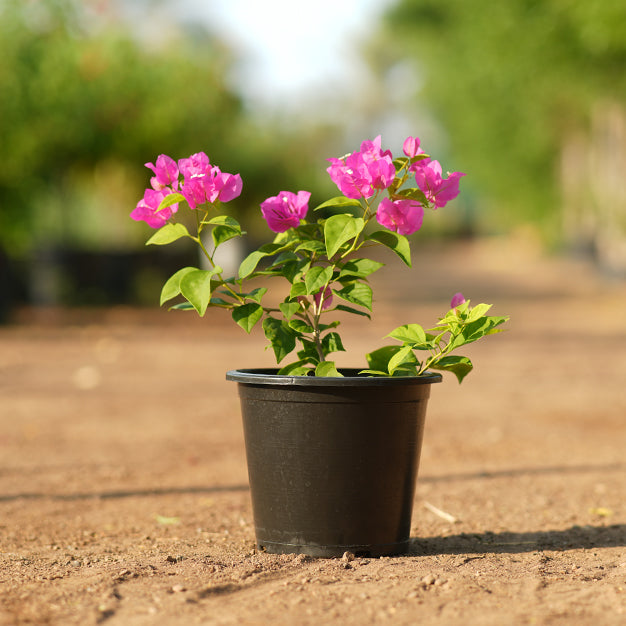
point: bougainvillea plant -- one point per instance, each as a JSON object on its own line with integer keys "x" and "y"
{"x": 317, "y": 254}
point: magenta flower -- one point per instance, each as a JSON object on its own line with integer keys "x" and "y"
{"x": 285, "y": 210}
{"x": 439, "y": 191}
{"x": 165, "y": 172}
{"x": 349, "y": 178}
{"x": 361, "y": 173}
{"x": 402, "y": 216}
{"x": 326, "y": 299}
{"x": 221, "y": 186}
{"x": 379, "y": 164}
{"x": 147, "y": 208}
{"x": 194, "y": 191}
{"x": 457, "y": 299}
{"x": 196, "y": 165}
{"x": 411, "y": 146}
{"x": 204, "y": 183}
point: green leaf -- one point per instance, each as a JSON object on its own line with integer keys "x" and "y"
{"x": 338, "y": 202}
{"x": 460, "y": 366}
{"x": 302, "y": 232}
{"x": 183, "y": 306}
{"x": 316, "y": 278}
{"x": 493, "y": 331}
{"x": 332, "y": 343}
{"x": 400, "y": 162}
{"x": 247, "y": 315}
{"x": 340, "y": 229}
{"x": 317, "y": 247}
{"x": 224, "y": 220}
{"x": 400, "y": 357}
{"x": 309, "y": 351}
{"x": 413, "y": 194}
{"x": 291, "y": 268}
{"x": 218, "y": 302}
{"x": 171, "y": 288}
{"x": 280, "y": 336}
{"x": 374, "y": 373}
{"x": 289, "y": 309}
{"x": 170, "y": 199}
{"x": 477, "y": 330}
{"x": 284, "y": 257}
{"x": 297, "y": 290}
{"x": 300, "y": 326}
{"x": 360, "y": 268}
{"x": 248, "y": 265}
{"x": 349, "y": 309}
{"x": 357, "y": 293}
{"x": 256, "y": 294}
{"x": 409, "y": 333}
{"x": 419, "y": 157}
{"x": 297, "y": 368}
{"x": 406, "y": 369}
{"x": 478, "y": 311}
{"x": 221, "y": 234}
{"x": 196, "y": 287}
{"x": 167, "y": 234}
{"x": 327, "y": 368}
{"x": 398, "y": 243}
{"x": 378, "y": 360}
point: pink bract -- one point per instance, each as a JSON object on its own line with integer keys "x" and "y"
{"x": 457, "y": 299}
{"x": 196, "y": 165}
{"x": 147, "y": 209}
{"x": 402, "y": 216}
{"x": 327, "y": 298}
{"x": 165, "y": 172}
{"x": 411, "y": 146}
{"x": 349, "y": 178}
{"x": 437, "y": 190}
{"x": 285, "y": 210}
{"x": 212, "y": 186}
{"x": 194, "y": 192}
{"x": 361, "y": 173}
{"x": 223, "y": 186}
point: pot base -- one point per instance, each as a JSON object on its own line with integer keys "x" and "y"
{"x": 329, "y": 552}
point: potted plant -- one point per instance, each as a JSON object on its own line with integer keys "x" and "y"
{"x": 332, "y": 453}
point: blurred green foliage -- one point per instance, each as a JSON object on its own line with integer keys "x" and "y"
{"x": 84, "y": 104}
{"x": 509, "y": 82}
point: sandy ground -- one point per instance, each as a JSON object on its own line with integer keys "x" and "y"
{"x": 123, "y": 483}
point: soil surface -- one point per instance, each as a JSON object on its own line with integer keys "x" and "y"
{"x": 123, "y": 484}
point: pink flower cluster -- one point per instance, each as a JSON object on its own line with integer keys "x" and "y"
{"x": 438, "y": 190}
{"x": 402, "y": 216}
{"x": 285, "y": 210}
{"x": 362, "y": 173}
{"x": 201, "y": 183}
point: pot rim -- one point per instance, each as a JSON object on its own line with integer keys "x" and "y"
{"x": 269, "y": 376}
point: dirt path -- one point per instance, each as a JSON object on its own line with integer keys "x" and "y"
{"x": 123, "y": 485}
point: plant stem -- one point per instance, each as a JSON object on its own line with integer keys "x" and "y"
{"x": 198, "y": 240}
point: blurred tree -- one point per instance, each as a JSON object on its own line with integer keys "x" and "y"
{"x": 84, "y": 102}
{"x": 74, "y": 102}
{"x": 511, "y": 82}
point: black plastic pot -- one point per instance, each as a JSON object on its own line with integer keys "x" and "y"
{"x": 332, "y": 462}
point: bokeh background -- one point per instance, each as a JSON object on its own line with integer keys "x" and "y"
{"x": 528, "y": 98}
